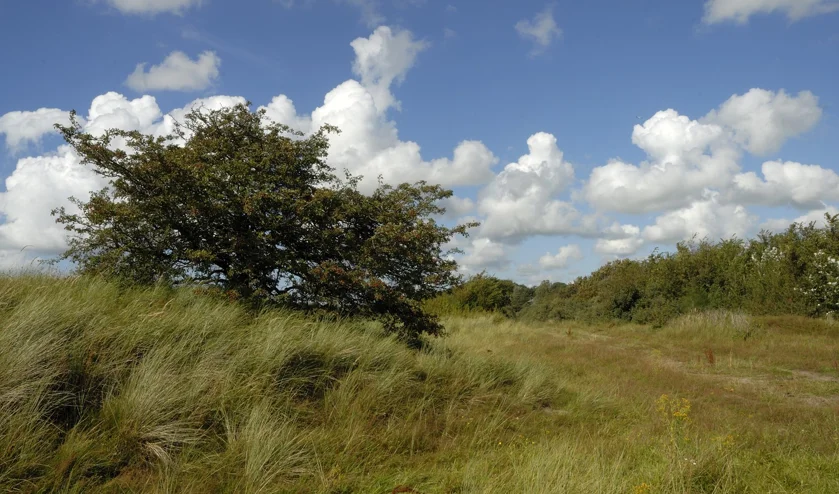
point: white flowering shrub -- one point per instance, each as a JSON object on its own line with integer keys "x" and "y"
{"x": 821, "y": 284}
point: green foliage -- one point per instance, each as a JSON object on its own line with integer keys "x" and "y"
{"x": 482, "y": 293}
{"x": 793, "y": 272}
{"x": 250, "y": 207}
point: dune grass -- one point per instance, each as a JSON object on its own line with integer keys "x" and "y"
{"x": 691, "y": 407}
{"x": 104, "y": 389}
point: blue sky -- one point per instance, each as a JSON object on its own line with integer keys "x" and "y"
{"x": 649, "y": 120}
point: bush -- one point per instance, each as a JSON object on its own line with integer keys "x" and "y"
{"x": 792, "y": 272}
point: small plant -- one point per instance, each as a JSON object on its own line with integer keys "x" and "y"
{"x": 642, "y": 488}
{"x": 709, "y": 355}
{"x": 676, "y": 415}
{"x": 725, "y": 442}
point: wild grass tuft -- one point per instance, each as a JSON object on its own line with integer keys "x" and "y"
{"x": 109, "y": 388}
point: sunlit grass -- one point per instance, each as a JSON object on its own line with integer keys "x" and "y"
{"x": 104, "y": 389}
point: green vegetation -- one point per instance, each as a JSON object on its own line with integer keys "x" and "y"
{"x": 238, "y": 324}
{"x": 106, "y": 388}
{"x": 111, "y": 389}
{"x": 251, "y": 208}
{"x": 793, "y": 272}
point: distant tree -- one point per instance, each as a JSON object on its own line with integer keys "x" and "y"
{"x": 234, "y": 201}
{"x": 484, "y": 292}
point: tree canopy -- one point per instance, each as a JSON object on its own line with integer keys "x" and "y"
{"x": 234, "y": 201}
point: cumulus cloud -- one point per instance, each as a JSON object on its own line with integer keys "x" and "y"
{"x": 177, "y": 72}
{"x": 686, "y": 157}
{"x": 21, "y": 127}
{"x": 384, "y": 58}
{"x": 151, "y": 7}
{"x": 541, "y": 30}
{"x": 483, "y": 253}
{"x": 522, "y": 199}
{"x": 563, "y": 257}
{"x": 369, "y": 144}
{"x": 37, "y": 185}
{"x": 708, "y": 217}
{"x": 41, "y": 183}
{"x": 761, "y": 121}
{"x": 620, "y": 247}
{"x": 670, "y": 138}
{"x": 787, "y": 183}
{"x": 457, "y": 207}
{"x": 114, "y": 111}
{"x": 281, "y": 109}
{"x": 740, "y": 11}
{"x": 619, "y": 240}
{"x": 14, "y": 261}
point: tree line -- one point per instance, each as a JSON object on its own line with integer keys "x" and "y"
{"x": 791, "y": 272}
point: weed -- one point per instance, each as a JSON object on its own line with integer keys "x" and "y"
{"x": 709, "y": 356}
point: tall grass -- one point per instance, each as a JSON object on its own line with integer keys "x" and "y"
{"x": 108, "y": 389}
{"x": 103, "y": 388}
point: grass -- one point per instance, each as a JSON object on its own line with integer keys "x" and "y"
{"x": 152, "y": 390}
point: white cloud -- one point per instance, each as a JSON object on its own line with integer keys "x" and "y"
{"x": 457, "y": 207}
{"x": 21, "y": 127}
{"x": 708, "y": 217}
{"x": 740, "y": 11}
{"x": 151, "y": 7}
{"x": 41, "y": 183}
{"x": 686, "y": 158}
{"x": 691, "y": 173}
{"x": 562, "y": 258}
{"x": 481, "y": 254}
{"x": 384, "y": 58}
{"x": 761, "y": 120}
{"x": 670, "y": 138}
{"x": 787, "y": 183}
{"x": 620, "y": 247}
{"x": 13, "y": 261}
{"x": 522, "y": 199}
{"x": 177, "y": 72}
{"x": 369, "y": 144}
{"x": 38, "y": 185}
{"x": 541, "y": 30}
{"x": 619, "y": 240}
{"x": 114, "y": 111}
{"x": 817, "y": 215}
{"x": 281, "y": 109}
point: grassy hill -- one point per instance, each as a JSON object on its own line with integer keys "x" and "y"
{"x": 104, "y": 389}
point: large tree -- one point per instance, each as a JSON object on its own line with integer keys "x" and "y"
{"x": 232, "y": 200}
